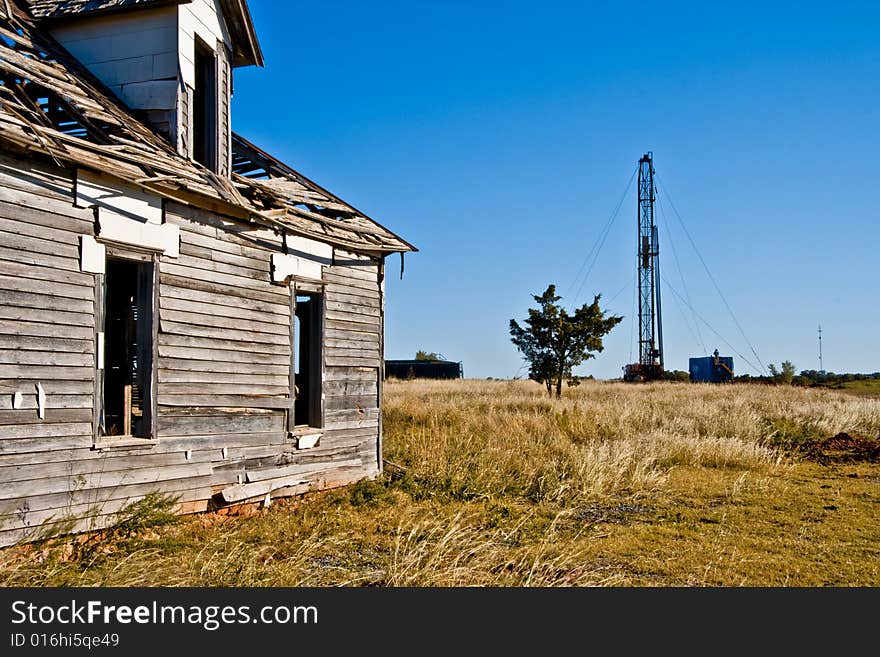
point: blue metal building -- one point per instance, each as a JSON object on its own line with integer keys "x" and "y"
{"x": 711, "y": 369}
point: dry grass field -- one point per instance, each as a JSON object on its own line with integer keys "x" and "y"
{"x": 662, "y": 484}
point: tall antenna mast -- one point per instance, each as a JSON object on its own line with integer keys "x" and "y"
{"x": 821, "y": 367}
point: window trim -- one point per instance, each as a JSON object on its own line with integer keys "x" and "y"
{"x": 314, "y": 289}
{"x": 100, "y": 441}
{"x": 209, "y": 121}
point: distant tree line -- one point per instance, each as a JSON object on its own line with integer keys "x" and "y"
{"x": 807, "y": 377}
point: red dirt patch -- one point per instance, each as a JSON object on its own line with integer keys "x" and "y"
{"x": 843, "y": 448}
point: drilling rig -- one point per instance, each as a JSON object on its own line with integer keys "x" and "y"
{"x": 650, "y": 365}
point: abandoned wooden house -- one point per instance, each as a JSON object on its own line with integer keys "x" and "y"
{"x": 180, "y": 312}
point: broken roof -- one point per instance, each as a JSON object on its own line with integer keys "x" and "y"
{"x": 245, "y": 47}
{"x": 52, "y": 106}
{"x": 67, "y": 8}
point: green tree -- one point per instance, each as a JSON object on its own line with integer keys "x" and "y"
{"x": 427, "y": 355}
{"x": 554, "y": 341}
{"x": 785, "y": 374}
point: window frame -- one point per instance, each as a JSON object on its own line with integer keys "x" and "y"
{"x": 205, "y": 123}
{"x": 100, "y": 440}
{"x": 317, "y": 411}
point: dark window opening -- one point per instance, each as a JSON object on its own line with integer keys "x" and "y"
{"x": 128, "y": 340}
{"x": 205, "y": 107}
{"x": 307, "y": 361}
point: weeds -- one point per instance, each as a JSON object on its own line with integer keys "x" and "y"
{"x": 492, "y": 484}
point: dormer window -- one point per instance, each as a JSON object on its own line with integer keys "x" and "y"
{"x": 205, "y": 106}
{"x": 171, "y": 60}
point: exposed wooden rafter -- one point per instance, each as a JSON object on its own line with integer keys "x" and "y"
{"x": 51, "y": 105}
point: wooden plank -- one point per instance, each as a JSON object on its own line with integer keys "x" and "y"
{"x": 258, "y": 265}
{"x": 52, "y": 388}
{"x": 351, "y": 319}
{"x": 24, "y": 222}
{"x": 73, "y": 319}
{"x": 219, "y": 355}
{"x": 241, "y": 492}
{"x": 352, "y": 424}
{"x": 185, "y": 270}
{"x": 42, "y": 211}
{"x": 220, "y": 424}
{"x": 59, "y": 456}
{"x": 301, "y": 469}
{"x": 255, "y": 239}
{"x": 331, "y": 333}
{"x": 40, "y": 445}
{"x": 234, "y": 326}
{"x": 353, "y": 300}
{"x": 367, "y": 414}
{"x": 371, "y": 345}
{"x": 40, "y": 329}
{"x": 184, "y": 294}
{"x": 347, "y": 307}
{"x": 219, "y": 240}
{"x": 201, "y": 344}
{"x": 113, "y": 460}
{"x": 368, "y": 272}
{"x": 60, "y": 345}
{"x": 225, "y": 334}
{"x": 50, "y": 485}
{"x": 350, "y": 286}
{"x": 353, "y": 352}
{"x": 54, "y": 404}
{"x": 174, "y": 376}
{"x": 222, "y": 367}
{"x": 46, "y": 287}
{"x": 166, "y": 388}
{"x": 338, "y": 289}
{"x": 52, "y": 416}
{"x": 225, "y": 311}
{"x": 45, "y": 301}
{"x": 224, "y": 401}
{"x": 380, "y": 374}
{"x": 345, "y": 387}
{"x": 341, "y": 361}
{"x": 31, "y": 180}
{"x": 269, "y": 294}
{"x": 21, "y": 256}
{"x": 95, "y": 514}
{"x": 33, "y": 277}
{"x": 343, "y": 373}
{"x": 19, "y": 357}
{"x": 333, "y": 324}
{"x": 38, "y": 372}
{"x": 27, "y": 244}
{"x": 219, "y": 272}
{"x": 219, "y": 441}
{"x": 67, "y": 429}
{"x": 352, "y": 402}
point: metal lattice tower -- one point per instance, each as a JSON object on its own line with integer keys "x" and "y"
{"x": 650, "y": 325}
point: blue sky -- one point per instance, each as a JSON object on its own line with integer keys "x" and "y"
{"x": 498, "y": 137}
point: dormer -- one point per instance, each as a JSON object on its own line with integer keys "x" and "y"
{"x": 169, "y": 60}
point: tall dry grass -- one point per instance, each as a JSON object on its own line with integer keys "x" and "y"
{"x": 488, "y": 439}
{"x": 504, "y": 487}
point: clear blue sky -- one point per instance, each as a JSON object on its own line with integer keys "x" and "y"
{"x": 498, "y": 137}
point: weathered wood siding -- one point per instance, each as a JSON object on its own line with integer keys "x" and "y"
{"x": 223, "y": 367}
{"x": 202, "y": 18}
{"x": 135, "y": 55}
